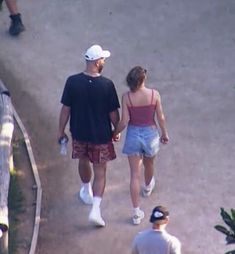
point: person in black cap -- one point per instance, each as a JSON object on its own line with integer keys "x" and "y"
{"x": 157, "y": 240}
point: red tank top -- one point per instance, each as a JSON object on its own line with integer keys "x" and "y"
{"x": 142, "y": 115}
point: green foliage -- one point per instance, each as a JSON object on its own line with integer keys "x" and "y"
{"x": 17, "y": 143}
{"x": 229, "y": 231}
{"x": 15, "y": 200}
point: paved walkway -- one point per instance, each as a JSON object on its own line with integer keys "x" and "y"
{"x": 188, "y": 48}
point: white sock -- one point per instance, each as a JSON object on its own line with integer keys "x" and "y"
{"x": 136, "y": 210}
{"x": 97, "y": 201}
{"x": 87, "y": 186}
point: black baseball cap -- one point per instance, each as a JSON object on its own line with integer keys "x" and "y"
{"x": 159, "y": 213}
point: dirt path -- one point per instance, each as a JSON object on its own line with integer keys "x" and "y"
{"x": 188, "y": 48}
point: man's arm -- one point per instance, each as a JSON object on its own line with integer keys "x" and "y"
{"x": 125, "y": 117}
{"x": 115, "y": 119}
{"x": 64, "y": 117}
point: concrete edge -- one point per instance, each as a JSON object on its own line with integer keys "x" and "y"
{"x": 37, "y": 180}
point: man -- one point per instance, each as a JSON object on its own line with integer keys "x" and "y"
{"x": 16, "y": 26}
{"x": 90, "y": 101}
{"x": 157, "y": 240}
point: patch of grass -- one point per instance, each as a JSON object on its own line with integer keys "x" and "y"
{"x": 15, "y": 205}
{"x": 16, "y": 144}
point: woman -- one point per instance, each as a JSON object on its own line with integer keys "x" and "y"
{"x": 139, "y": 107}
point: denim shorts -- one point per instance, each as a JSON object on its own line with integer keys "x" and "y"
{"x": 141, "y": 141}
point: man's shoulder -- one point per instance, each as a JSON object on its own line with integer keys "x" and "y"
{"x": 174, "y": 241}
{"x": 75, "y": 76}
{"x": 106, "y": 80}
{"x": 74, "y": 80}
{"x": 143, "y": 234}
{"x": 170, "y": 235}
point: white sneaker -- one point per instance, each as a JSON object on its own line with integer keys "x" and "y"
{"x": 137, "y": 218}
{"x": 147, "y": 190}
{"x": 95, "y": 217}
{"x": 86, "y": 196}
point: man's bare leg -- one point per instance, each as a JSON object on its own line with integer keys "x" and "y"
{"x": 84, "y": 169}
{"x": 99, "y": 179}
{"x": 98, "y": 191}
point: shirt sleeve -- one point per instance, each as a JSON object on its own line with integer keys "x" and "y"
{"x": 113, "y": 98}
{"x": 66, "y": 96}
{"x": 175, "y": 247}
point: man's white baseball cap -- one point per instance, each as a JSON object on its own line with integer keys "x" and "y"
{"x": 96, "y": 52}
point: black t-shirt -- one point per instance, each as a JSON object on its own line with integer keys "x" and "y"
{"x": 90, "y": 99}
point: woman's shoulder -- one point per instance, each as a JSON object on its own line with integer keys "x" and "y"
{"x": 156, "y": 93}
{"x": 154, "y": 90}
{"x": 125, "y": 96}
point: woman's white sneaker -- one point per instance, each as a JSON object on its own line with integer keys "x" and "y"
{"x": 147, "y": 190}
{"x": 138, "y": 217}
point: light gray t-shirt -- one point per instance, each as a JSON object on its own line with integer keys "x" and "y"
{"x": 155, "y": 242}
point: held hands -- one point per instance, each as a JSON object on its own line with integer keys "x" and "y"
{"x": 116, "y": 137}
{"x": 164, "y": 139}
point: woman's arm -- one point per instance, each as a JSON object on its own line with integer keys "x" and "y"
{"x": 161, "y": 119}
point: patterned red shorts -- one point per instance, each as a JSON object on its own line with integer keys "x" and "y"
{"x": 96, "y": 153}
